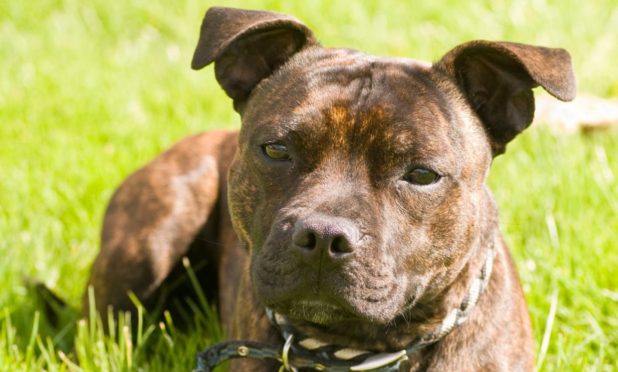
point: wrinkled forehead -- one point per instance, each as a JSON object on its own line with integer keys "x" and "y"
{"x": 364, "y": 84}
{"x": 337, "y": 85}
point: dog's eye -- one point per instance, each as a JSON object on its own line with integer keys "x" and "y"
{"x": 422, "y": 176}
{"x": 276, "y": 151}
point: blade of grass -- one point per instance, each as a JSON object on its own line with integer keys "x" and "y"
{"x": 549, "y": 323}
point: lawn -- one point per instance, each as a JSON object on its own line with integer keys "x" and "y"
{"x": 89, "y": 91}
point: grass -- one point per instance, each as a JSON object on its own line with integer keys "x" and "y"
{"x": 89, "y": 91}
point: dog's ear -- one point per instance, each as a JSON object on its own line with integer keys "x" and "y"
{"x": 497, "y": 79}
{"x": 247, "y": 46}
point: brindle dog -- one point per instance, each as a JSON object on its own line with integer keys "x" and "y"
{"x": 352, "y": 202}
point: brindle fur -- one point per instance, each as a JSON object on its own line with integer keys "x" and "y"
{"x": 354, "y": 124}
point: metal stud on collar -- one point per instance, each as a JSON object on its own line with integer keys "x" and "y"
{"x": 381, "y": 360}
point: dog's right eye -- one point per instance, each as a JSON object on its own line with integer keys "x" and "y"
{"x": 276, "y": 151}
{"x": 422, "y": 176}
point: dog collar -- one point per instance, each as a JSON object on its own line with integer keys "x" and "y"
{"x": 302, "y": 352}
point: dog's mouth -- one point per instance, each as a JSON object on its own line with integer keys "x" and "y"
{"x": 331, "y": 306}
{"x": 338, "y": 302}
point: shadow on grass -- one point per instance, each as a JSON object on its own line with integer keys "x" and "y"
{"x": 58, "y": 338}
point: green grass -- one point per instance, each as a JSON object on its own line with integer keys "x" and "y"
{"x": 89, "y": 91}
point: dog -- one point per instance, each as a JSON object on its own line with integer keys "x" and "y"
{"x": 347, "y": 223}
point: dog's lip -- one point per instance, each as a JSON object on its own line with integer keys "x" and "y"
{"x": 321, "y": 311}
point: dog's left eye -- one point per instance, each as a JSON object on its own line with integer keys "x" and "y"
{"x": 276, "y": 151}
{"x": 422, "y": 176}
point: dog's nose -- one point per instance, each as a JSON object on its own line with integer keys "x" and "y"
{"x": 320, "y": 234}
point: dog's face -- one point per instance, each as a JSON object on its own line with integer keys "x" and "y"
{"x": 358, "y": 185}
{"x": 364, "y": 169}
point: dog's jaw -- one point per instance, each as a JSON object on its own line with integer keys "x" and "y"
{"x": 417, "y": 324}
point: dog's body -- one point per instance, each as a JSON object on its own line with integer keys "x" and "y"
{"x": 353, "y": 200}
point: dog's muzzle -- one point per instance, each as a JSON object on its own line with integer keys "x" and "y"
{"x": 302, "y": 352}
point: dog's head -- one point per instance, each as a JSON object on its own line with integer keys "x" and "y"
{"x": 359, "y": 182}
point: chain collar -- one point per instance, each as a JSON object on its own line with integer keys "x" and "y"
{"x": 302, "y": 352}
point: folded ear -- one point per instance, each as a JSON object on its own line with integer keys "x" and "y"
{"x": 497, "y": 79}
{"x": 247, "y": 46}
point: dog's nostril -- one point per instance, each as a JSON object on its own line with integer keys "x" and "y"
{"x": 340, "y": 245}
{"x": 304, "y": 239}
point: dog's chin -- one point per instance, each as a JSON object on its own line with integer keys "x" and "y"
{"x": 329, "y": 310}
{"x": 317, "y": 312}
{"x": 320, "y": 312}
